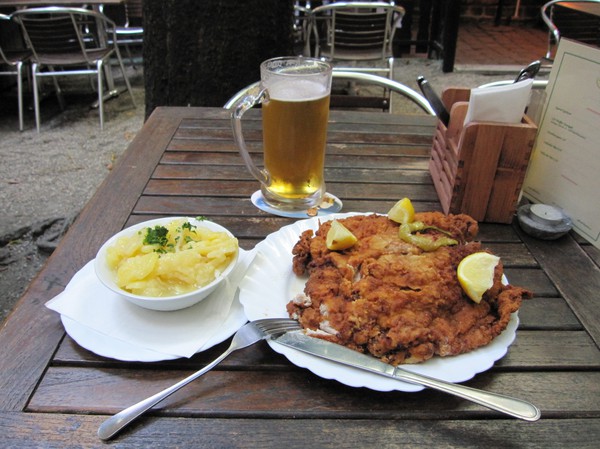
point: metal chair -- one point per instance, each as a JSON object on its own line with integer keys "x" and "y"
{"x": 357, "y": 31}
{"x": 69, "y": 42}
{"x": 579, "y": 32}
{"x": 14, "y": 56}
{"x": 300, "y": 23}
{"x": 362, "y": 78}
{"x": 128, "y": 17}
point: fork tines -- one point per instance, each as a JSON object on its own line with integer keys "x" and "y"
{"x": 276, "y": 326}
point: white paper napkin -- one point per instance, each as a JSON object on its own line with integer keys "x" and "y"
{"x": 504, "y": 104}
{"x": 181, "y": 332}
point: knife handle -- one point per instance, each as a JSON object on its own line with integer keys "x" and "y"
{"x": 434, "y": 100}
{"x": 495, "y": 401}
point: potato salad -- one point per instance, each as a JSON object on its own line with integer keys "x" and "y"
{"x": 170, "y": 260}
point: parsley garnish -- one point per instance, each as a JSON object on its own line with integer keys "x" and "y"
{"x": 159, "y": 236}
{"x": 188, "y": 225}
{"x": 156, "y": 236}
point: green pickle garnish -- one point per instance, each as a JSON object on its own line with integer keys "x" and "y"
{"x": 424, "y": 241}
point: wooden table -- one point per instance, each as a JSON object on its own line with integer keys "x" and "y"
{"x": 579, "y": 21}
{"x": 56, "y": 394}
{"x": 584, "y": 7}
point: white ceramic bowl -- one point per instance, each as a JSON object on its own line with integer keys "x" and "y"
{"x": 163, "y": 303}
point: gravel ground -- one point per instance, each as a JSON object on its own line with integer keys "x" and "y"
{"x": 46, "y": 178}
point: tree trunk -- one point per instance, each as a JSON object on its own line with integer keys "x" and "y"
{"x": 200, "y": 53}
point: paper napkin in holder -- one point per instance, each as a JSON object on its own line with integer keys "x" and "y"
{"x": 503, "y": 104}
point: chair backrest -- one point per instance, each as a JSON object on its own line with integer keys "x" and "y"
{"x": 300, "y": 21}
{"x": 117, "y": 13}
{"x": 56, "y": 31}
{"x": 355, "y": 26}
{"x": 571, "y": 23}
{"x": 389, "y": 85}
{"x": 127, "y": 14}
{"x": 366, "y": 78}
{"x": 134, "y": 12}
{"x": 12, "y": 47}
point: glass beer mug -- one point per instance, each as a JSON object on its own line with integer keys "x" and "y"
{"x": 294, "y": 93}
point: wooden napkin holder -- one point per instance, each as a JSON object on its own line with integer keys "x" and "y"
{"x": 478, "y": 169}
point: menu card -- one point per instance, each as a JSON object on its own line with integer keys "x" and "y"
{"x": 564, "y": 170}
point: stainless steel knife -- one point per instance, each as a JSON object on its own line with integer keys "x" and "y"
{"x": 340, "y": 354}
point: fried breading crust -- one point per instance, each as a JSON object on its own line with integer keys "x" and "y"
{"x": 389, "y": 298}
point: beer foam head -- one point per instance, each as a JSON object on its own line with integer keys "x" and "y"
{"x": 296, "y": 90}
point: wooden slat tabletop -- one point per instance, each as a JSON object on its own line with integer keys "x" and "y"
{"x": 184, "y": 162}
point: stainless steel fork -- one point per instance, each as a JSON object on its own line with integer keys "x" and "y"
{"x": 249, "y": 334}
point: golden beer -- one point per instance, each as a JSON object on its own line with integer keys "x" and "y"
{"x": 294, "y": 94}
{"x": 294, "y": 139}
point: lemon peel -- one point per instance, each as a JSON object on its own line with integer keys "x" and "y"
{"x": 476, "y": 274}
{"x": 402, "y": 212}
{"x": 339, "y": 237}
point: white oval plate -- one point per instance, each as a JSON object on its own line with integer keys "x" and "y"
{"x": 269, "y": 284}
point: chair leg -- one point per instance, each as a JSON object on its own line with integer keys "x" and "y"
{"x": 549, "y": 51}
{"x": 36, "y": 96}
{"x": 125, "y": 76}
{"x": 91, "y": 79}
{"x": 100, "y": 94}
{"x": 20, "y": 93}
{"x": 130, "y": 55}
{"x": 57, "y": 89}
{"x": 391, "y": 76}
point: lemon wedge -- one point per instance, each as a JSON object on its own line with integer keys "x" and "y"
{"x": 402, "y": 212}
{"x": 339, "y": 237}
{"x": 476, "y": 274}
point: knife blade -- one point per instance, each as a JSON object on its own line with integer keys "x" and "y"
{"x": 340, "y": 354}
{"x": 434, "y": 100}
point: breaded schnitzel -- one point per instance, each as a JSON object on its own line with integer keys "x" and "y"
{"x": 391, "y": 299}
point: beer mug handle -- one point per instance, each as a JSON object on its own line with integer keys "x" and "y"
{"x": 239, "y": 109}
